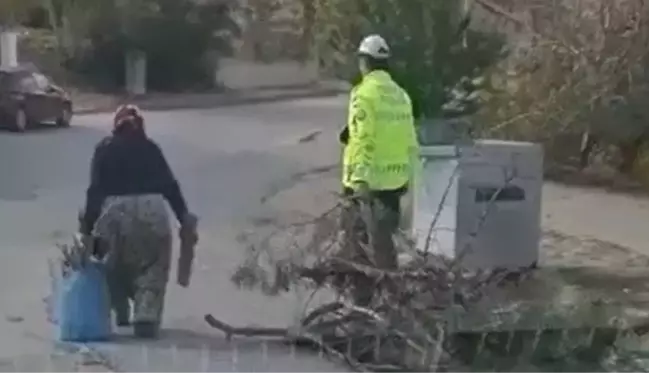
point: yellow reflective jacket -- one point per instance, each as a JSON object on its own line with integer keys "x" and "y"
{"x": 382, "y": 147}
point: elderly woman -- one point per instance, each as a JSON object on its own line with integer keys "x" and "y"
{"x": 126, "y": 215}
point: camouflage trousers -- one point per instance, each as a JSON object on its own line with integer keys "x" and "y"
{"x": 135, "y": 236}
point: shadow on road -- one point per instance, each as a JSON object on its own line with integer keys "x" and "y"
{"x": 627, "y": 284}
{"x": 174, "y": 338}
{"x": 45, "y": 129}
{"x": 597, "y": 179}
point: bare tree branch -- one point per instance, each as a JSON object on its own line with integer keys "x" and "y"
{"x": 408, "y": 312}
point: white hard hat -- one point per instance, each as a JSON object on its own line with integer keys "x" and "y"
{"x": 374, "y": 46}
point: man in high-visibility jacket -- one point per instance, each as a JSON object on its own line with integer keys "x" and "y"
{"x": 380, "y": 148}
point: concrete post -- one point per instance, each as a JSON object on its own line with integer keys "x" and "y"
{"x": 8, "y": 48}
{"x": 136, "y": 73}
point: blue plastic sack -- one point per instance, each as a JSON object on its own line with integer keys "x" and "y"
{"x": 82, "y": 305}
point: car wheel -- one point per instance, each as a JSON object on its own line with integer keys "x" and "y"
{"x": 20, "y": 121}
{"x": 66, "y": 117}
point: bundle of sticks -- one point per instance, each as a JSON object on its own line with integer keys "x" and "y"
{"x": 403, "y": 324}
{"x": 76, "y": 255}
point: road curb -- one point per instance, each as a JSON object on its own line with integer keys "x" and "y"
{"x": 221, "y": 101}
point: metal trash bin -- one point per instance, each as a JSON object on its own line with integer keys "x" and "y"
{"x": 492, "y": 203}
{"x": 438, "y": 139}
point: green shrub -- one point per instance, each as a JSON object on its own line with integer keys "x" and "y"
{"x": 176, "y": 36}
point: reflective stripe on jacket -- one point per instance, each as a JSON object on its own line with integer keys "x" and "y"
{"x": 382, "y": 144}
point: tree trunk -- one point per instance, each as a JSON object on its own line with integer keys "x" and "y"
{"x": 630, "y": 152}
{"x": 53, "y": 19}
{"x": 8, "y": 48}
{"x": 588, "y": 142}
{"x": 308, "y": 25}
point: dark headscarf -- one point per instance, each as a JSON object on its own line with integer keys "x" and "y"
{"x": 128, "y": 120}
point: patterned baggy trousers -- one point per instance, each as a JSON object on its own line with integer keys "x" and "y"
{"x": 135, "y": 235}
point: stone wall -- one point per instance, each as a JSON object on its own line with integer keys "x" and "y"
{"x": 246, "y": 74}
{"x": 271, "y": 52}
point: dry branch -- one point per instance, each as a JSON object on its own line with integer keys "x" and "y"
{"x": 580, "y": 69}
{"x": 407, "y": 309}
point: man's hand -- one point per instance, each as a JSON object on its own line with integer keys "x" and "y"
{"x": 361, "y": 190}
{"x": 343, "y": 136}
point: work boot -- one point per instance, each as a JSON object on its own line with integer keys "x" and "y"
{"x": 122, "y": 321}
{"x": 145, "y": 329}
{"x": 122, "y": 314}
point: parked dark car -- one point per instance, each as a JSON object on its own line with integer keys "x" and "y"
{"x": 28, "y": 97}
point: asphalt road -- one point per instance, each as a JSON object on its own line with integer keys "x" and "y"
{"x": 226, "y": 159}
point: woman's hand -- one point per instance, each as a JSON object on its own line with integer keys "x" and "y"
{"x": 189, "y": 230}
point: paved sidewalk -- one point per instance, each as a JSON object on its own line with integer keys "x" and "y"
{"x": 596, "y": 213}
{"x": 89, "y": 103}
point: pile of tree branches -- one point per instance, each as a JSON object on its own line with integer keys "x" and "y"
{"x": 405, "y": 322}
